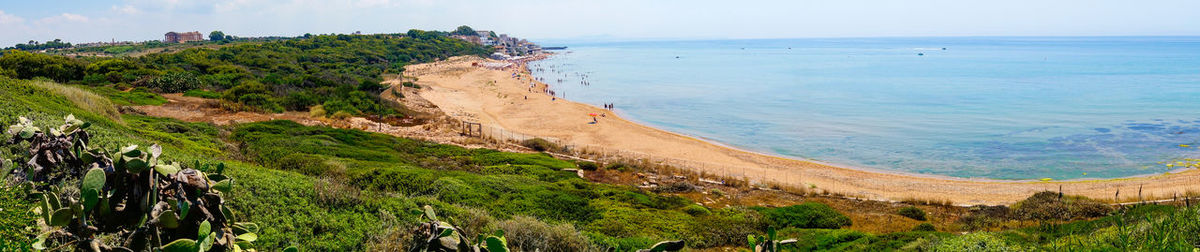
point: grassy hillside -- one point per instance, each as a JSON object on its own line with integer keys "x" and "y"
{"x": 325, "y": 189}
{"x": 339, "y": 72}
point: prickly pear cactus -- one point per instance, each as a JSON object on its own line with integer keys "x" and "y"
{"x": 129, "y": 193}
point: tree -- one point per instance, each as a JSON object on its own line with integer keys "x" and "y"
{"x": 464, "y": 30}
{"x": 216, "y": 35}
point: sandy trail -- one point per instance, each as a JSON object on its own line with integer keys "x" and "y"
{"x": 495, "y": 98}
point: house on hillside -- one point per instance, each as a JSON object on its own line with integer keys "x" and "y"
{"x": 175, "y": 37}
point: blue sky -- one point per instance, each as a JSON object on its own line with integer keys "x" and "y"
{"x": 137, "y": 20}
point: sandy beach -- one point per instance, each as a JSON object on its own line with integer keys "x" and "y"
{"x": 495, "y": 98}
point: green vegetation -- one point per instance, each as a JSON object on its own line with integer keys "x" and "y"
{"x": 925, "y": 226}
{"x": 539, "y": 144}
{"x": 912, "y": 213}
{"x": 807, "y": 215}
{"x": 340, "y": 72}
{"x": 1048, "y": 205}
{"x": 216, "y": 36}
{"x": 132, "y": 97}
{"x": 34, "y": 45}
{"x": 464, "y": 30}
{"x": 202, "y": 94}
{"x": 326, "y": 189}
{"x": 132, "y": 200}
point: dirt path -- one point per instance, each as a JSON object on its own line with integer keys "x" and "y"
{"x": 496, "y": 98}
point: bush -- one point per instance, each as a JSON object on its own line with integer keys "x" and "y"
{"x": 341, "y": 115}
{"x": 260, "y": 101}
{"x": 316, "y": 111}
{"x": 202, "y": 94}
{"x": 717, "y": 192}
{"x": 1049, "y": 205}
{"x": 539, "y": 144}
{"x": 807, "y": 215}
{"x": 617, "y": 166}
{"x": 912, "y": 213}
{"x": 924, "y": 227}
{"x": 588, "y": 166}
{"x": 27, "y": 65}
{"x": 736, "y": 223}
{"x": 676, "y": 187}
{"x": 974, "y": 242}
{"x": 696, "y": 210}
{"x": 174, "y": 82}
{"x": 529, "y": 234}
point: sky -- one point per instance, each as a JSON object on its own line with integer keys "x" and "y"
{"x": 611, "y": 20}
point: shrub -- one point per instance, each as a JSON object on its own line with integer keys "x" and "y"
{"x": 676, "y": 187}
{"x": 316, "y": 111}
{"x": 617, "y": 166}
{"x": 202, "y": 94}
{"x": 93, "y": 79}
{"x": 736, "y": 224}
{"x": 341, "y": 115}
{"x": 588, "y": 166}
{"x": 807, "y": 215}
{"x": 974, "y": 242}
{"x": 248, "y": 87}
{"x": 27, "y": 65}
{"x": 529, "y": 234}
{"x": 912, "y": 213}
{"x": 696, "y": 210}
{"x": 300, "y": 100}
{"x": 260, "y": 101}
{"x": 1047, "y": 205}
{"x": 717, "y": 192}
{"x": 174, "y": 82}
{"x": 539, "y": 144}
{"x": 924, "y": 227}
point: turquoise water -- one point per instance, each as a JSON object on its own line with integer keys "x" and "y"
{"x": 1006, "y": 108}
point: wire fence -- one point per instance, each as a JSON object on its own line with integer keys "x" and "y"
{"x": 663, "y": 165}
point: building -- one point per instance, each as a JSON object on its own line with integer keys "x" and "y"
{"x": 175, "y": 37}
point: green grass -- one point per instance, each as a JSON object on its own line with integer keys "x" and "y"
{"x": 202, "y": 94}
{"x": 132, "y": 97}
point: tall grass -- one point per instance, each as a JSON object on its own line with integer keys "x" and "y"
{"x": 83, "y": 99}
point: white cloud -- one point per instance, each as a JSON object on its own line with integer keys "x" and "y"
{"x": 9, "y": 19}
{"x": 372, "y": 3}
{"x": 65, "y": 17}
{"x": 127, "y": 10}
{"x": 230, "y": 5}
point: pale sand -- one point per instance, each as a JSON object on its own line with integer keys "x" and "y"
{"x": 494, "y": 98}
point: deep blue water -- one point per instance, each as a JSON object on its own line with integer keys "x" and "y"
{"x": 1007, "y": 108}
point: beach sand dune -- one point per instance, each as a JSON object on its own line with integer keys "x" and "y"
{"x": 494, "y": 98}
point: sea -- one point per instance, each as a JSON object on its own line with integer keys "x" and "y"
{"x": 973, "y": 107}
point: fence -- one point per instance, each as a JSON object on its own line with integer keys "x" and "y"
{"x": 662, "y": 165}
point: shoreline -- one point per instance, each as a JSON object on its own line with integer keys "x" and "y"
{"x": 493, "y": 97}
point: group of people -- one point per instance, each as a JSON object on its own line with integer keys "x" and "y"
{"x": 608, "y": 106}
